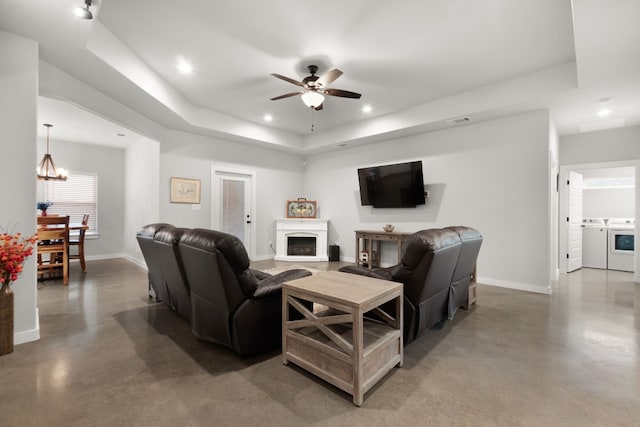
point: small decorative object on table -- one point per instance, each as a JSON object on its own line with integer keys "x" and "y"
{"x": 14, "y": 249}
{"x": 302, "y": 208}
{"x": 43, "y": 206}
{"x": 388, "y": 228}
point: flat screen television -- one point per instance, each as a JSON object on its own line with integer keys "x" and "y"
{"x": 399, "y": 185}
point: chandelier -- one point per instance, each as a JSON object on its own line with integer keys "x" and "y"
{"x": 47, "y": 169}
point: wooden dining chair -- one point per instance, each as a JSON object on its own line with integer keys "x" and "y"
{"x": 53, "y": 240}
{"x": 79, "y": 243}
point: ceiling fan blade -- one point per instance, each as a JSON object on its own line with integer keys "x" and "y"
{"x": 287, "y": 79}
{"x": 319, "y": 107}
{"x": 342, "y": 93}
{"x": 286, "y": 95}
{"x": 329, "y": 77}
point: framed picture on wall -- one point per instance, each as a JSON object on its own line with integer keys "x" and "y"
{"x": 302, "y": 208}
{"x": 185, "y": 190}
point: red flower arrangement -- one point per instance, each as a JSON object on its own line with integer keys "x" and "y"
{"x": 14, "y": 249}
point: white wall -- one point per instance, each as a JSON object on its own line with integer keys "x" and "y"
{"x": 554, "y": 170}
{"x": 608, "y": 202}
{"x": 279, "y": 176}
{"x": 18, "y": 100}
{"x": 108, "y": 165}
{"x": 493, "y": 176}
{"x": 141, "y": 195}
{"x": 600, "y": 147}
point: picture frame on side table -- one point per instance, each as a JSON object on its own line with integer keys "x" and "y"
{"x": 185, "y": 190}
{"x": 302, "y": 208}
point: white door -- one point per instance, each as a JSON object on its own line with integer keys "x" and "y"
{"x": 574, "y": 245}
{"x": 232, "y": 206}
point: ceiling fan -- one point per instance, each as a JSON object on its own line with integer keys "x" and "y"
{"x": 316, "y": 87}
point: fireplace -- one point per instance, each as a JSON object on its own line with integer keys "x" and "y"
{"x": 301, "y": 246}
{"x": 301, "y": 240}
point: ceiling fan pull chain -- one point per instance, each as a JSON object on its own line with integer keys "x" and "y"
{"x": 312, "y": 117}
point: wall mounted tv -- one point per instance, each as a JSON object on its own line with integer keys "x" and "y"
{"x": 392, "y": 186}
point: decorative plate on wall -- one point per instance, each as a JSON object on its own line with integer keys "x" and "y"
{"x": 302, "y": 208}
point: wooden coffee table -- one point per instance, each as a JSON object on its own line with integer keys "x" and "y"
{"x": 343, "y": 344}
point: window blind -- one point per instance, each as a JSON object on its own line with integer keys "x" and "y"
{"x": 76, "y": 196}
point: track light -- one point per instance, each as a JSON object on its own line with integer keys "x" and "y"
{"x": 84, "y": 13}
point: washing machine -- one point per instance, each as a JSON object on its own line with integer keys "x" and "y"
{"x": 594, "y": 243}
{"x": 621, "y": 244}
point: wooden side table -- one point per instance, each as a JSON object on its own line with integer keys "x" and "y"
{"x": 342, "y": 345}
{"x": 371, "y": 245}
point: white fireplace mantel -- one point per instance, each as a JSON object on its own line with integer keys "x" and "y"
{"x": 308, "y": 227}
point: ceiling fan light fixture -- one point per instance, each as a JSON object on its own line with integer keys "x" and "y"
{"x": 84, "y": 12}
{"x": 312, "y": 98}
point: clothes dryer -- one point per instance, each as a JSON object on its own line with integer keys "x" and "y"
{"x": 621, "y": 244}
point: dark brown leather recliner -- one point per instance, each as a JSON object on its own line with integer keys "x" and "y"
{"x": 146, "y": 240}
{"x": 465, "y": 270}
{"x": 229, "y": 304}
{"x": 178, "y": 296}
{"x": 427, "y": 270}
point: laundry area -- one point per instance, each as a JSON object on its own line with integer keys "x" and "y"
{"x": 608, "y": 224}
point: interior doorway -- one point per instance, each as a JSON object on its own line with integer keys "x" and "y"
{"x": 232, "y": 204}
{"x": 607, "y": 193}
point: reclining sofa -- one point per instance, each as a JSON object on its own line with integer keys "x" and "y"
{"x": 204, "y": 276}
{"x": 437, "y": 270}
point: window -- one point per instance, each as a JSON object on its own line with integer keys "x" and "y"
{"x": 76, "y": 196}
{"x": 603, "y": 182}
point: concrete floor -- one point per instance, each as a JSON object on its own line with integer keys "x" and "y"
{"x": 110, "y": 357}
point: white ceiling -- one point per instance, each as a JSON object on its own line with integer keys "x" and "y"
{"x": 417, "y": 63}
{"x": 71, "y": 123}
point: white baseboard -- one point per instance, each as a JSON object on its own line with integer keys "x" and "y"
{"x": 30, "y": 335}
{"x": 104, "y": 256}
{"x": 262, "y": 258}
{"x": 514, "y": 285}
{"x": 140, "y": 263}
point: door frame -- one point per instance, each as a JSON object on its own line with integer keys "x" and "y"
{"x": 215, "y": 195}
{"x": 563, "y": 206}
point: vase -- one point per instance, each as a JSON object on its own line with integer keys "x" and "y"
{"x": 6, "y": 319}
{"x": 44, "y": 212}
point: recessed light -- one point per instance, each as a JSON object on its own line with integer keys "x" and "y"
{"x": 268, "y": 118}
{"x": 120, "y": 134}
{"x": 366, "y": 109}
{"x": 184, "y": 66}
{"x": 342, "y": 145}
{"x": 603, "y": 113}
{"x": 604, "y": 100}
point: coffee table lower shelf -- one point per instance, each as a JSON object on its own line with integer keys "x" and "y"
{"x": 323, "y": 358}
{"x": 343, "y": 345}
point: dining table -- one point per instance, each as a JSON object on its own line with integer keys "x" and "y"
{"x": 73, "y": 227}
